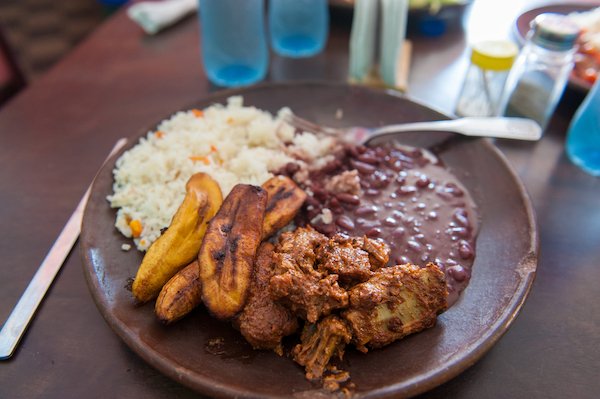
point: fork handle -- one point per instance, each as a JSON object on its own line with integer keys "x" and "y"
{"x": 502, "y": 127}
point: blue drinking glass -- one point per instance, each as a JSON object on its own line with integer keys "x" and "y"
{"x": 583, "y": 137}
{"x": 234, "y": 44}
{"x": 298, "y": 28}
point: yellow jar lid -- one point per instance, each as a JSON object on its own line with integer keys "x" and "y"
{"x": 495, "y": 55}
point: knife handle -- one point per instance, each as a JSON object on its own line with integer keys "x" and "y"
{"x": 23, "y": 312}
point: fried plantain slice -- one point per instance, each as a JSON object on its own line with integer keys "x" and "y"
{"x": 284, "y": 200}
{"x": 180, "y": 244}
{"x": 227, "y": 254}
{"x": 180, "y": 295}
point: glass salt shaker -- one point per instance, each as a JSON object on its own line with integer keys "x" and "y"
{"x": 540, "y": 73}
{"x": 490, "y": 64}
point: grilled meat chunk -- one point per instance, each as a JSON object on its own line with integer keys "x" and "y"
{"x": 264, "y": 322}
{"x": 319, "y": 343}
{"x": 349, "y": 257}
{"x": 395, "y": 302}
{"x": 297, "y": 283}
{"x": 379, "y": 252}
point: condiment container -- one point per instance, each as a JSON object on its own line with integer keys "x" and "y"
{"x": 490, "y": 64}
{"x": 363, "y": 38}
{"x": 538, "y": 77}
{"x": 234, "y": 43}
{"x": 377, "y": 40}
{"x": 583, "y": 137}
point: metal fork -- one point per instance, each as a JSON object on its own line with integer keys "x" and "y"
{"x": 501, "y": 127}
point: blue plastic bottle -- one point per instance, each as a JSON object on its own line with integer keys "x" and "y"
{"x": 234, "y": 44}
{"x": 583, "y": 139}
{"x": 298, "y": 28}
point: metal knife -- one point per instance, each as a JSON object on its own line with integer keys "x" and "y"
{"x": 19, "y": 319}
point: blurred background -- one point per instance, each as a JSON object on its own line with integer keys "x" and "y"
{"x": 37, "y": 33}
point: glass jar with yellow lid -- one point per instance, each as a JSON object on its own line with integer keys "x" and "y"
{"x": 490, "y": 64}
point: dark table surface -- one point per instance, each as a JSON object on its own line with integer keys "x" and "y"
{"x": 56, "y": 133}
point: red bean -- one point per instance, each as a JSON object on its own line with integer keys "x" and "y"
{"x": 345, "y": 222}
{"x": 453, "y": 189}
{"x": 319, "y": 193}
{"x": 325, "y": 228}
{"x": 415, "y": 246}
{"x": 379, "y": 179}
{"x": 398, "y": 233}
{"x": 458, "y": 273}
{"x": 312, "y": 201}
{"x": 406, "y": 190}
{"x": 332, "y": 166}
{"x": 338, "y": 210}
{"x": 362, "y": 168}
{"x": 380, "y": 151}
{"x": 402, "y": 260}
{"x": 422, "y": 182}
{"x": 464, "y": 249}
{"x": 390, "y": 221}
{"x": 460, "y": 231}
{"x": 368, "y": 158}
{"x": 396, "y": 165}
{"x": 348, "y": 198}
{"x": 460, "y": 216}
{"x": 443, "y": 193}
{"x": 366, "y": 210}
{"x": 373, "y": 232}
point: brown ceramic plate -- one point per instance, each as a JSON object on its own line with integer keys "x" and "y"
{"x": 507, "y": 252}
{"x": 523, "y": 22}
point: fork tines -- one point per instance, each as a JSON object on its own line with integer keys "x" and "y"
{"x": 307, "y": 126}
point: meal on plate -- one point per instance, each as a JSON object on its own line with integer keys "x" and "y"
{"x": 587, "y": 63}
{"x": 283, "y": 232}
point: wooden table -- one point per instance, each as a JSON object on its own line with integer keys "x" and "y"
{"x": 56, "y": 133}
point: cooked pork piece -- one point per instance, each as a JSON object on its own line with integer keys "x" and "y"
{"x": 394, "y": 302}
{"x": 346, "y": 182}
{"x": 297, "y": 283}
{"x": 379, "y": 252}
{"x": 352, "y": 258}
{"x": 344, "y": 258}
{"x": 264, "y": 322}
{"x": 319, "y": 343}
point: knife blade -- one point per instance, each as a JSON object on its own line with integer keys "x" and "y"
{"x": 23, "y": 312}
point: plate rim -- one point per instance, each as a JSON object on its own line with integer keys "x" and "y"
{"x": 453, "y": 366}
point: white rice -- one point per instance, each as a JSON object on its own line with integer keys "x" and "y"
{"x": 233, "y": 144}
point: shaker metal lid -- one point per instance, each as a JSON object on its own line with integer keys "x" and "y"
{"x": 554, "y": 31}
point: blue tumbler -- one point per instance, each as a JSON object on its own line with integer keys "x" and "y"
{"x": 298, "y": 28}
{"x": 234, "y": 46}
{"x": 583, "y": 137}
